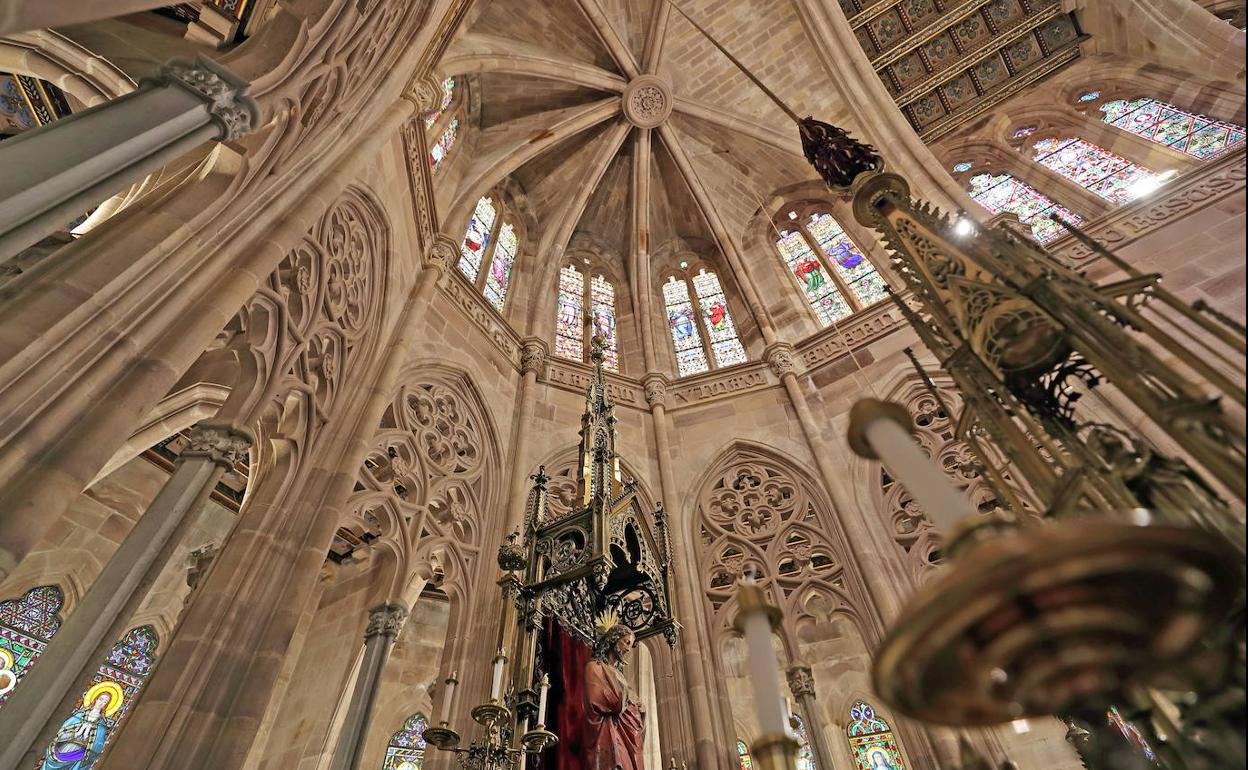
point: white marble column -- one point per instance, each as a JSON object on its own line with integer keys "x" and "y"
{"x": 55, "y": 173}
{"x": 385, "y": 621}
{"x": 70, "y": 659}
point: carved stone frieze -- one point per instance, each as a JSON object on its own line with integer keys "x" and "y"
{"x": 570, "y": 376}
{"x": 866, "y": 327}
{"x": 224, "y": 446}
{"x": 718, "y": 385}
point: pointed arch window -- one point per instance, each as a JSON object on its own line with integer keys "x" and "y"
{"x": 442, "y": 147}
{"x": 805, "y": 755}
{"x": 449, "y": 133}
{"x": 83, "y": 736}
{"x": 575, "y": 295}
{"x": 406, "y": 750}
{"x": 26, "y": 626}
{"x": 448, "y": 96}
{"x": 1096, "y": 169}
{"x": 831, "y": 270}
{"x": 1195, "y": 135}
{"x": 700, "y": 323}
{"x": 1001, "y": 193}
{"x": 871, "y": 741}
{"x": 743, "y": 756}
{"x": 490, "y": 240}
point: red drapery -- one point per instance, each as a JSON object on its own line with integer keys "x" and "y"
{"x": 564, "y": 659}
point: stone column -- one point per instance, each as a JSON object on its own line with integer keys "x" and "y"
{"x": 68, "y": 663}
{"x": 532, "y": 364}
{"x": 384, "y": 623}
{"x": 802, "y": 685}
{"x": 23, "y": 15}
{"x": 55, "y": 173}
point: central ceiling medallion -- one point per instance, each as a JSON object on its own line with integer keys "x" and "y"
{"x": 647, "y": 101}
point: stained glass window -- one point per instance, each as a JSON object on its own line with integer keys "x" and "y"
{"x": 1090, "y": 96}
{"x": 857, "y": 271}
{"x": 477, "y": 239}
{"x": 743, "y": 754}
{"x": 871, "y": 740}
{"x": 725, "y": 344}
{"x": 569, "y": 331}
{"x": 602, "y": 301}
{"x": 820, "y": 291}
{"x": 500, "y": 266}
{"x": 1001, "y": 193}
{"x": 1096, "y": 169}
{"x": 448, "y": 95}
{"x": 687, "y": 339}
{"x": 444, "y": 144}
{"x": 406, "y": 750}
{"x": 26, "y": 626}
{"x": 1195, "y": 135}
{"x": 965, "y": 165}
{"x": 1024, "y": 132}
{"x": 1130, "y": 732}
{"x": 805, "y": 755}
{"x": 84, "y": 735}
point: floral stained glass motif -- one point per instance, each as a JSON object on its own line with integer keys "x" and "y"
{"x": 569, "y": 331}
{"x": 820, "y": 290}
{"x": 499, "y": 279}
{"x": 602, "y": 303}
{"x": 1004, "y": 193}
{"x": 871, "y": 740}
{"x": 855, "y": 269}
{"x": 406, "y": 750}
{"x": 743, "y": 754}
{"x": 83, "y": 736}
{"x": 1094, "y": 168}
{"x": 805, "y": 755}
{"x": 725, "y": 344}
{"x": 477, "y": 239}
{"x": 448, "y": 95}
{"x": 444, "y": 145}
{"x": 1195, "y": 135}
{"x": 26, "y": 626}
{"x": 690, "y": 356}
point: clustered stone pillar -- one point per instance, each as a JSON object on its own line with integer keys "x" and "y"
{"x": 56, "y": 173}
{"x": 802, "y": 685}
{"x": 385, "y": 621}
{"x": 69, "y": 661}
{"x": 533, "y": 355}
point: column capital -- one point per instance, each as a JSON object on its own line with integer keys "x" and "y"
{"x": 442, "y": 253}
{"x": 655, "y": 385}
{"x": 801, "y": 681}
{"x": 533, "y": 353}
{"x": 386, "y": 619}
{"x": 222, "y": 444}
{"x": 229, "y": 107}
{"x": 425, "y": 93}
{"x": 781, "y": 358}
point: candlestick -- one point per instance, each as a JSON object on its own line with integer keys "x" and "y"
{"x": 879, "y": 430}
{"x": 451, "y": 681}
{"x": 756, "y": 621}
{"x": 544, "y": 692}
{"x": 496, "y": 687}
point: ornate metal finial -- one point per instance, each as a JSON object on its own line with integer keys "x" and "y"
{"x": 838, "y": 157}
{"x": 598, "y": 355}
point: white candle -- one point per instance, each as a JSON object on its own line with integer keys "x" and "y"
{"x": 496, "y": 687}
{"x": 765, "y": 673}
{"x": 541, "y": 700}
{"x": 935, "y": 493}
{"x": 451, "y": 681}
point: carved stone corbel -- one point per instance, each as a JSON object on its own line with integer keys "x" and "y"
{"x": 655, "y": 385}
{"x": 222, "y": 444}
{"x": 533, "y": 356}
{"x": 386, "y": 620}
{"x": 781, "y": 359}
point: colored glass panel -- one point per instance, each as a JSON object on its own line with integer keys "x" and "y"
{"x": 477, "y": 238}
{"x": 499, "y": 279}
{"x": 444, "y": 145}
{"x": 687, "y": 340}
{"x": 1094, "y": 168}
{"x": 1090, "y": 96}
{"x": 1003, "y": 193}
{"x": 871, "y": 740}
{"x": 569, "y": 331}
{"x": 1024, "y": 132}
{"x": 83, "y": 737}
{"x": 406, "y": 750}
{"x": 602, "y": 302}
{"x": 1196, "y": 135}
{"x": 820, "y": 291}
{"x": 963, "y": 166}
{"x": 1130, "y": 732}
{"x": 448, "y": 94}
{"x": 743, "y": 753}
{"x": 805, "y": 755}
{"x": 26, "y": 626}
{"x": 722, "y": 332}
{"x": 855, "y": 269}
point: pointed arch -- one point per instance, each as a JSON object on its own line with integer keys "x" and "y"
{"x": 871, "y": 741}
{"x": 406, "y": 749}
{"x": 27, "y": 624}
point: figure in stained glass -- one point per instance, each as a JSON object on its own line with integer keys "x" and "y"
{"x": 681, "y": 320}
{"x": 406, "y": 750}
{"x": 26, "y": 626}
{"x": 1000, "y": 193}
{"x": 871, "y": 740}
{"x": 477, "y": 238}
{"x": 835, "y": 275}
{"x": 1096, "y": 169}
{"x": 497, "y": 282}
{"x": 444, "y": 144}
{"x": 569, "y": 333}
{"x": 809, "y": 272}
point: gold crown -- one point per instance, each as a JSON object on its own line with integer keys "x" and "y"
{"x": 606, "y": 620}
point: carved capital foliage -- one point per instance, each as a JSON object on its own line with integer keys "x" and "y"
{"x": 655, "y": 386}
{"x": 801, "y": 681}
{"x": 442, "y": 254}
{"x": 425, "y": 93}
{"x": 782, "y": 359}
{"x": 224, "y": 446}
{"x": 385, "y": 620}
{"x": 533, "y": 356}
{"x": 229, "y": 107}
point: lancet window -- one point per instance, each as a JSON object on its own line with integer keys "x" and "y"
{"x": 489, "y": 251}
{"x": 448, "y": 96}
{"x": 743, "y": 756}
{"x": 1000, "y": 193}
{"x": 703, "y": 331}
{"x": 442, "y": 147}
{"x": 444, "y": 124}
{"x": 406, "y": 750}
{"x": 871, "y": 741}
{"x": 577, "y": 294}
{"x": 83, "y": 737}
{"x": 26, "y": 626}
{"x": 1096, "y": 169}
{"x": 833, "y": 273}
{"x": 1195, "y": 135}
{"x": 805, "y": 754}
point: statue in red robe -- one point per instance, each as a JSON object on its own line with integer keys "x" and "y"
{"x": 615, "y": 721}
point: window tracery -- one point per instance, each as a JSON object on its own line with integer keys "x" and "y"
{"x": 27, "y": 624}
{"x": 745, "y": 761}
{"x": 871, "y": 740}
{"x": 575, "y": 295}
{"x": 833, "y": 273}
{"x": 1195, "y": 135}
{"x": 490, "y": 239}
{"x": 701, "y": 325}
{"x": 406, "y": 750}
{"x": 1095, "y": 169}
{"x": 1001, "y": 193}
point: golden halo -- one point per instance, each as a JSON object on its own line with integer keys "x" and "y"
{"x": 6, "y": 659}
{"x": 110, "y": 687}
